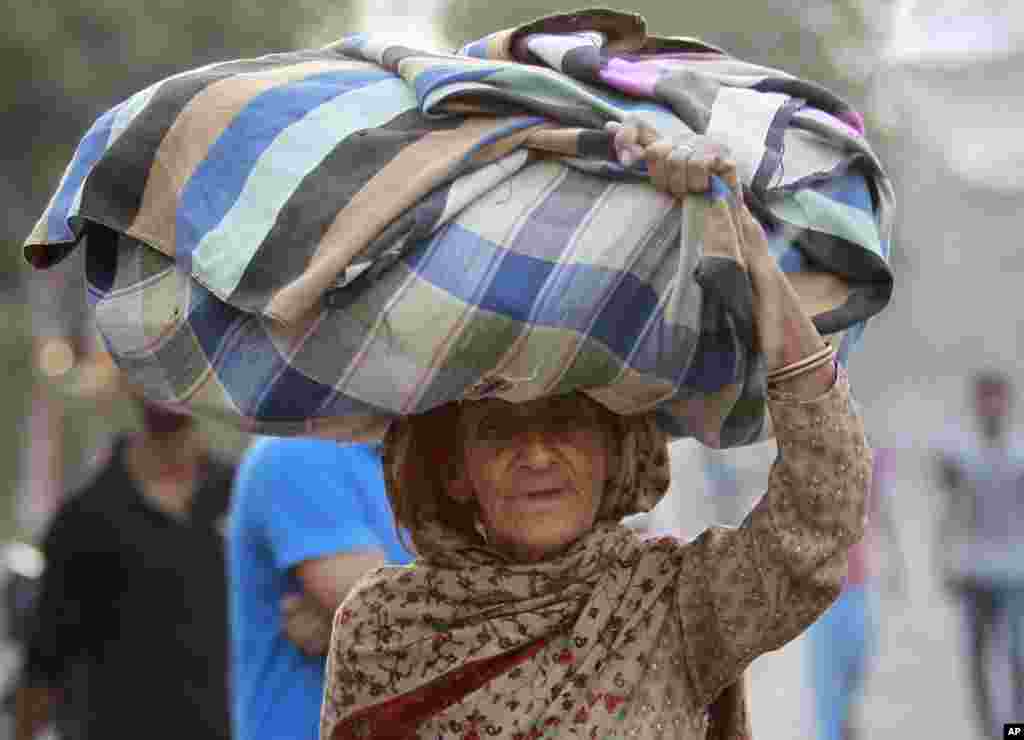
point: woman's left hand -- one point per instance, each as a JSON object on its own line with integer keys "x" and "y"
{"x": 684, "y": 166}
{"x": 678, "y": 165}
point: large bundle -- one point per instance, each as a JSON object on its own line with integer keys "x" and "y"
{"x": 316, "y": 242}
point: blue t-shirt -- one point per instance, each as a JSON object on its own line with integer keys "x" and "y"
{"x": 294, "y": 500}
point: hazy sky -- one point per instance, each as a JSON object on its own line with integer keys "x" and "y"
{"x": 953, "y": 30}
{"x": 414, "y": 19}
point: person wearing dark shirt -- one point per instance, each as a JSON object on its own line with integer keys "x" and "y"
{"x": 130, "y": 637}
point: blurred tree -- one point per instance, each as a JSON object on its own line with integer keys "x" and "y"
{"x": 64, "y": 62}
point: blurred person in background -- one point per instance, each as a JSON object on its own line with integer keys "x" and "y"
{"x": 130, "y": 632}
{"x": 308, "y": 518}
{"x": 981, "y": 468}
{"x": 844, "y": 640}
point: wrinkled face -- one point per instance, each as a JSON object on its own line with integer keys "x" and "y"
{"x": 537, "y": 471}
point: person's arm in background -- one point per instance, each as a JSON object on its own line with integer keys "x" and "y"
{"x": 309, "y": 497}
{"x": 950, "y": 476}
{"x": 953, "y": 515}
{"x": 33, "y": 709}
{"x": 307, "y": 616}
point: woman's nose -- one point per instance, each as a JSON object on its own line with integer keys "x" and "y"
{"x": 537, "y": 452}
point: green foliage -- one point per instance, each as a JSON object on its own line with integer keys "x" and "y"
{"x": 90, "y": 50}
{"x": 64, "y": 62}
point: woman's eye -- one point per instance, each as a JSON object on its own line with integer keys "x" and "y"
{"x": 563, "y": 423}
{"x": 492, "y": 431}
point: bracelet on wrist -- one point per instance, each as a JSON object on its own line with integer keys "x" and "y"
{"x": 801, "y": 367}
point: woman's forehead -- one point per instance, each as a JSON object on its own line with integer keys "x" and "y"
{"x": 496, "y": 407}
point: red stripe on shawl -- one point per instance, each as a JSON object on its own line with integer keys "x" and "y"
{"x": 400, "y": 717}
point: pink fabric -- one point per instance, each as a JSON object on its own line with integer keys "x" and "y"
{"x": 632, "y": 78}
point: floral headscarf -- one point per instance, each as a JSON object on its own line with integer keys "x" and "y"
{"x": 405, "y": 629}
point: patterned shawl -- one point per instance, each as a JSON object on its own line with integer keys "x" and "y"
{"x": 411, "y": 629}
{"x": 319, "y": 241}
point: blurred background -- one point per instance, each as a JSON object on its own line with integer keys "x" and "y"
{"x": 938, "y": 83}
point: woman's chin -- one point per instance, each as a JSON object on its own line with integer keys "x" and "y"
{"x": 544, "y": 542}
{"x": 539, "y": 525}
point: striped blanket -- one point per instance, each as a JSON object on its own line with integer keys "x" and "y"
{"x": 315, "y": 242}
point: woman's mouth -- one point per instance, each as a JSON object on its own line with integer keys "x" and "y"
{"x": 545, "y": 492}
{"x": 542, "y": 497}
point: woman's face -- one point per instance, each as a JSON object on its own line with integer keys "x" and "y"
{"x": 536, "y": 469}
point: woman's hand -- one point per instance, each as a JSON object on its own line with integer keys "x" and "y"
{"x": 685, "y": 166}
{"x": 680, "y": 165}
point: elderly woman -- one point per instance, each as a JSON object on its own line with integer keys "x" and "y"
{"x": 533, "y": 613}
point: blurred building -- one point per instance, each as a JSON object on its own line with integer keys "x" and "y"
{"x": 956, "y": 64}
{"x": 947, "y": 92}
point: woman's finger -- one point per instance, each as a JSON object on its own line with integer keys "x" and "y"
{"x": 624, "y": 141}
{"x": 727, "y": 172}
{"x": 678, "y": 163}
{"x": 709, "y": 158}
{"x": 631, "y": 137}
{"x": 643, "y": 133}
{"x": 690, "y": 163}
{"x": 698, "y": 171}
{"x": 659, "y": 168}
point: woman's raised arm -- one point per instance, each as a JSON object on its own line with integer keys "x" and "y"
{"x": 689, "y": 165}
{"x": 749, "y": 590}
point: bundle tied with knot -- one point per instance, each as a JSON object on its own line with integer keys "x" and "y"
{"x": 322, "y": 241}
{"x": 344, "y": 241}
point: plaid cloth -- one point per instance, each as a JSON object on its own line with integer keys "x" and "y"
{"x": 315, "y": 242}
